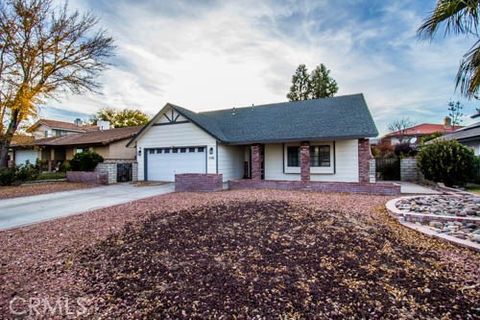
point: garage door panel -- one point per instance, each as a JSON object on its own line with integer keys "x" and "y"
{"x": 164, "y": 163}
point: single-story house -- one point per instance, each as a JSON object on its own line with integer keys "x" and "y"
{"x": 469, "y": 136}
{"x": 320, "y": 140}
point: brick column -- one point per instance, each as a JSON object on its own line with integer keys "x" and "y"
{"x": 305, "y": 161}
{"x": 256, "y": 162}
{"x": 364, "y": 156}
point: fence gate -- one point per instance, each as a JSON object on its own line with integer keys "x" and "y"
{"x": 387, "y": 168}
{"x": 124, "y": 172}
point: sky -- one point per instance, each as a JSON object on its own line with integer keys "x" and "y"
{"x": 207, "y": 55}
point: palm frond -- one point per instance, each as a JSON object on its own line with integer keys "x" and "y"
{"x": 468, "y": 76}
{"x": 459, "y": 16}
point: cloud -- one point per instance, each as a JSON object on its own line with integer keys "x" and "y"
{"x": 217, "y": 54}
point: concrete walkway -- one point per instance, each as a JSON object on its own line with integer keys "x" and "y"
{"x": 28, "y": 210}
{"x": 413, "y": 188}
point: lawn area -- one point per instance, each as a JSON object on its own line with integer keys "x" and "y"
{"x": 31, "y": 189}
{"x": 271, "y": 254}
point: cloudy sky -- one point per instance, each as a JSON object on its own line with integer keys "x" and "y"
{"x": 207, "y": 55}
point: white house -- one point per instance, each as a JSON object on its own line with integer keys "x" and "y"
{"x": 324, "y": 140}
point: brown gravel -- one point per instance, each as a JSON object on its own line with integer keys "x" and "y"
{"x": 40, "y": 188}
{"x": 247, "y": 253}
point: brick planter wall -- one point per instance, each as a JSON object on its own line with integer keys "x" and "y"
{"x": 87, "y": 176}
{"x": 389, "y": 189}
{"x": 198, "y": 182}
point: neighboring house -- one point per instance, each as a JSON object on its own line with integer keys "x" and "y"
{"x": 469, "y": 136}
{"x": 25, "y": 150}
{"x": 414, "y": 134}
{"x": 46, "y": 128}
{"x": 110, "y": 144}
{"x": 313, "y": 140}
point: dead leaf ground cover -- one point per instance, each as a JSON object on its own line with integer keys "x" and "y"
{"x": 244, "y": 253}
{"x": 40, "y": 188}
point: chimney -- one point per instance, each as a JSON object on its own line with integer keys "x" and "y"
{"x": 78, "y": 122}
{"x": 103, "y": 125}
{"x": 447, "y": 122}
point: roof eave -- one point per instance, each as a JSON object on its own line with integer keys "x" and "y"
{"x": 318, "y": 138}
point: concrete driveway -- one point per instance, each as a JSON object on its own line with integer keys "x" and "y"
{"x": 28, "y": 210}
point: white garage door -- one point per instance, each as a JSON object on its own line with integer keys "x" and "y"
{"x": 164, "y": 163}
{"x": 25, "y": 156}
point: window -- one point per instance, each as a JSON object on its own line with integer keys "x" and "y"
{"x": 293, "y": 156}
{"x": 151, "y": 151}
{"x": 200, "y": 149}
{"x": 167, "y": 150}
{"x": 191, "y": 149}
{"x": 175, "y": 150}
{"x": 159, "y": 150}
{"x": 183, "y": 150}
{"x": 320, "y": 156}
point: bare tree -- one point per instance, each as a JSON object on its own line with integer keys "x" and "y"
{"x": 44, "y": 50}
{"x": 400, "y": 127}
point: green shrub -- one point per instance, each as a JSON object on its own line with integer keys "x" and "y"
{"x": 85, "y": 161}
{"x": 26, "y": 172}
{"x": 51, "y": 175}
{"x": 7, "y": 176}
{"x": 446, "y": 161}
{"x": 64, "y": 167}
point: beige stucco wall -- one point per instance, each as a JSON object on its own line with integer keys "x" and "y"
{"x": 118, "y": 150}
{"x": 113, "y": 151}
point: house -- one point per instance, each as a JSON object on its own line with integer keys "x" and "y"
{"x": 469, "y": 136}
{"x": 47, "y": 128}
{"x": 119, "y": 161}
{"x": 321, "y": 140}
{"x": 414, "y": 134}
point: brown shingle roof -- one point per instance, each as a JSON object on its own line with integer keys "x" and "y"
{"x": 94, "y": 137}
{"x": 22, "y": 140}
{"x": 62, "y": 125}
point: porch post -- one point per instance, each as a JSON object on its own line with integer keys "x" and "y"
{"x": 256, "y": 162}
{"x": 364, "y": 157}
{"x": 305, "y": 161}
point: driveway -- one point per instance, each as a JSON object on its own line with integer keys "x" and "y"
{"x": 28, "y": 210}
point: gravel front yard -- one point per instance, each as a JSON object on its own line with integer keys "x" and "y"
{"x": 264, "y": 253}
{"x": 40, "y": 188}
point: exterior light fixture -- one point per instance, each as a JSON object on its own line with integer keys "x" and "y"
{"x": 139, "y": 152}
{"x": 210, "y": 151}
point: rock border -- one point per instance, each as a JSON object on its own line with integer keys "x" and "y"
{"x": 410, "y": 220}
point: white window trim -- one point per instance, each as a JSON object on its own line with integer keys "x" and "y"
{"x": 313, "y": 170}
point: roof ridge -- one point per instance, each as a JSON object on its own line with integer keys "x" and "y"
{"x": 277, "y": 103}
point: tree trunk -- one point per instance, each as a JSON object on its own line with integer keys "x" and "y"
{"x": 4, "y": 153}
{"x": 7, "y": 138}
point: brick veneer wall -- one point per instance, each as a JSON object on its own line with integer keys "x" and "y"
{"x": 386, "y": 188}
{"x": 305, "y": 161}
{"x": 198, "y": 182}
{"x": 256, "y": 162}
{"x": 87, "y": 176}
{"x": 364, "y": 157}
